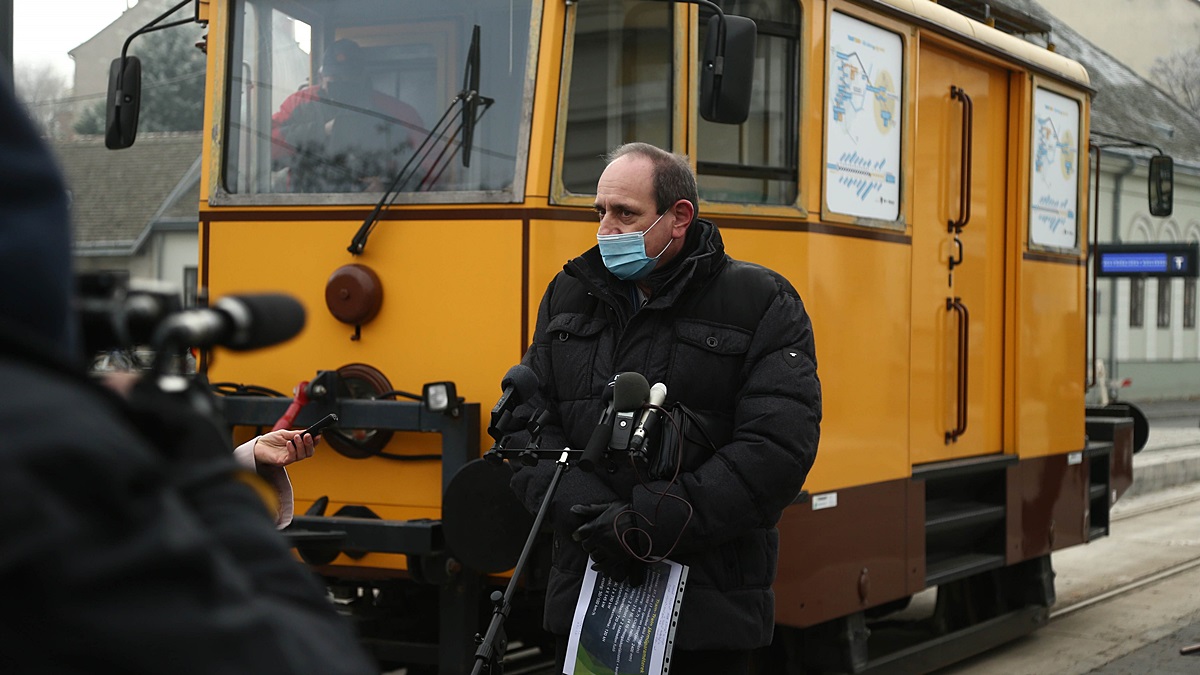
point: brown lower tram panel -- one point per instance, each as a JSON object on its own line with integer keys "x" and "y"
{"x": 870, "y": 548}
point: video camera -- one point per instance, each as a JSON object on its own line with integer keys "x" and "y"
{"x": 119, "y": 314}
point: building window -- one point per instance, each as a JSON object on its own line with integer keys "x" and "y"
{"x": 1137, "y": 296}
{"x": 1164, "y": 303}
{"x": 1189, "y": 303}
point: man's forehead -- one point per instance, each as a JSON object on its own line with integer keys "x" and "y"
{"x": 627, "y": 180}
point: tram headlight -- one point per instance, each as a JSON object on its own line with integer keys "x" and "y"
{"x": 440, "y": 397}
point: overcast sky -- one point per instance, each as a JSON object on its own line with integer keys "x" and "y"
{"x": 45, "y": 30}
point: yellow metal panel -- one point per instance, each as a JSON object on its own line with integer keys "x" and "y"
{"x": 451, "y": 311}
{"x": 552, "y": 243}
{"x": 1050, "y": 360}
{"x": 856, "y": 292}
{"x": 450, "y": 303}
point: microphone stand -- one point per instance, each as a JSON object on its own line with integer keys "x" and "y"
{"x": 493, "y": 644}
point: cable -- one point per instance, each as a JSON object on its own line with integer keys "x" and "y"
{"x": 665, "y": 493}
{"x": 396, "y": 392}
{"x": 235, "y": 388}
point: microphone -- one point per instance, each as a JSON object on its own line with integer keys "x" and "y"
{"x": 658, "y": 394}
{"x": 238, "y": 322}
{"x": 598, "y": 443}
{"x": 519, "y": 383}
{"x": 629, "y": 395}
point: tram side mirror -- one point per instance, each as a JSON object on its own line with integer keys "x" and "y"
{"x": 124, "y": 102}
{"x": 1162, "y": 185}
{"x": 727, "y": 72}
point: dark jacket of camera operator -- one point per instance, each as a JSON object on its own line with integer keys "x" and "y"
{"x": 730, "y": 340}
{"x": 129, "y": 545}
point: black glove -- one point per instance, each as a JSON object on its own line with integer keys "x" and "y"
{"x": 600, "y": 538}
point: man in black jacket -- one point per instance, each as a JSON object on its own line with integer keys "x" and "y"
{"x": 128, "y": 544}
{"x": 734, "y": 346}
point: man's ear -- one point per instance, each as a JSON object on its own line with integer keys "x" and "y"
{"x": 684, "y": 214}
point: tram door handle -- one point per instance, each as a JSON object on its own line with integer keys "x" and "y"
{"x": 964, "y": 326}
{"x": 964, "y": 174}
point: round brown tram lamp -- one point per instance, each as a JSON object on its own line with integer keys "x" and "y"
{"x": 354, "y": 295}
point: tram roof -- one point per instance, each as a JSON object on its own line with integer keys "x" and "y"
{"x": 945, "y": 19}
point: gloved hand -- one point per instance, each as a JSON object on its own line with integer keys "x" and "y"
{"x": 599, "y": 537}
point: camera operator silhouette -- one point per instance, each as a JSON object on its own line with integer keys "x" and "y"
{"x": 340, "y": 135}
{"x": 132, "y": 543}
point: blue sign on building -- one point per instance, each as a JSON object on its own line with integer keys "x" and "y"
{"x": 1148, "y": 260}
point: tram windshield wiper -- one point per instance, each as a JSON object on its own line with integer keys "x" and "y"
{"x": 473, "y": 107}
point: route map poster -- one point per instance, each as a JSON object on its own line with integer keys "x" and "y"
{"x": 1054, "y": 182}
{"x": 862, "y": 138}
{"x": 622, "y": 630}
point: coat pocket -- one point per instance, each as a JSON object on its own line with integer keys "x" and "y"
{"x": 574, "y": 341}
{"x": 706, "y": 364}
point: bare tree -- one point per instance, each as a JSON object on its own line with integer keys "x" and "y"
{"x": 43, "y": 90}
{"x": 1179, "y": 75}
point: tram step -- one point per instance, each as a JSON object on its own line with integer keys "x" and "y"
{"x": 943, "y": 515}
{"x": 942, "y": 569}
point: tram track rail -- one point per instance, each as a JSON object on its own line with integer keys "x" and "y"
{"x": 1124, "y": 589}
{"x": 1190, "y": 496}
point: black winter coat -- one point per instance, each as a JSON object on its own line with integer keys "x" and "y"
{"x": 732, "y": 341}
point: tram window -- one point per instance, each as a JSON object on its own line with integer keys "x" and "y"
{"x": 757, "y": 161}
{"x": 619, "y": 86}
{"x": 339, "y": 96}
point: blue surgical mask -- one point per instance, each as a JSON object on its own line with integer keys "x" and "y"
{"x": 625, "y": 254}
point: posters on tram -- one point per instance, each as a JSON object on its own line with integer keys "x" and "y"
{"x": 862, "y": 144}
{"x": 1054, "y": 176}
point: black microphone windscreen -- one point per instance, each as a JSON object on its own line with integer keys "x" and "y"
{"x": 523, "y": 379}
{"x": 596, "y": 447}
{"x": 630, "y": 392}
{"x": 263, "y": 319}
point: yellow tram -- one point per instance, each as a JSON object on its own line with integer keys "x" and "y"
{"x": 920, "y": 177}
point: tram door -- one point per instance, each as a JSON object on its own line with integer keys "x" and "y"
{"x": 958, "y": 245}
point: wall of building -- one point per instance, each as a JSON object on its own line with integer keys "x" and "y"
{"x": 163, "y": 257}
{"x": 1159, "y": 362}
{"x": 1136, "y": 32}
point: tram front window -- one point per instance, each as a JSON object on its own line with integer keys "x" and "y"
{"x": 340, "y": 97}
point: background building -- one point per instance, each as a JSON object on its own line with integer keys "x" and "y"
{"x": 1146, "y": 329}
{"x": 1136, "y": 32}
{"x": 135, "y": 211}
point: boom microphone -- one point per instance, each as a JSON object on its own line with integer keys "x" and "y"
{"x": 598, "y": 443}
{"x": 658, "y": 395}
{"x": 519, "y": 383}
{"x": 238, "y": 322}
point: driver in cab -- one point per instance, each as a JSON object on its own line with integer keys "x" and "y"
{"x": 340, "y": 135}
